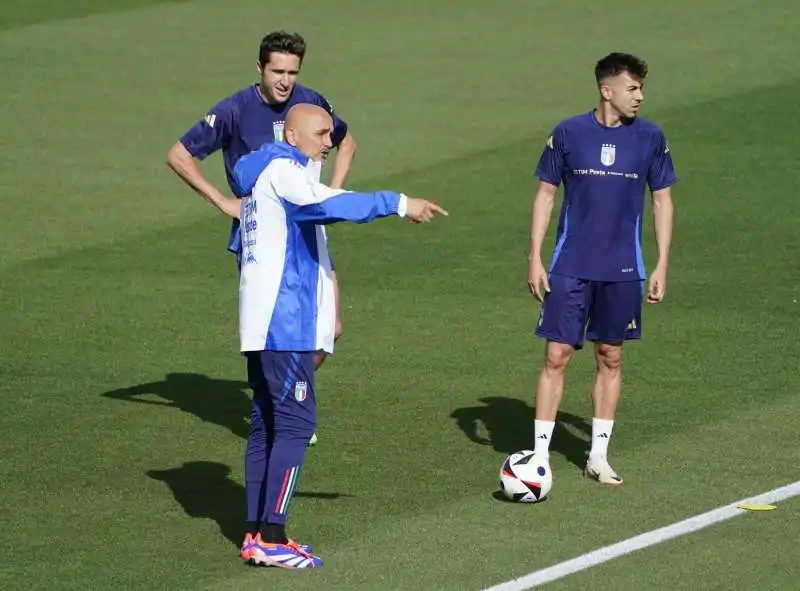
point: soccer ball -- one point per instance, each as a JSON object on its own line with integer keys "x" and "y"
{"x": 525, "y": 477}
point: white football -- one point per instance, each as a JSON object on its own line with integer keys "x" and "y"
{"x": 525, "y": 477}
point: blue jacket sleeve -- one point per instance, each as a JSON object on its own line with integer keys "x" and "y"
{"x": 359, "y": 208}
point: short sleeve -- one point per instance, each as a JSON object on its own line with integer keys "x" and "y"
{"x": 661, "y": 173}
{"x": 211, "y": 133}
{"x": 550, "y": 167}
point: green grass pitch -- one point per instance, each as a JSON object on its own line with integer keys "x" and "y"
{"x": 123, "y": 410}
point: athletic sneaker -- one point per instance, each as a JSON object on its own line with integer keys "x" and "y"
{"x": 598, "y": 468}
{"x": 245, "y": 553}
{"x": 247, "y": 547}
{"x": 290, "y": 555}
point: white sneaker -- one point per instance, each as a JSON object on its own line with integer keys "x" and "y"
{"x": 598, "y": 468}
{"x": 313, "y": 440}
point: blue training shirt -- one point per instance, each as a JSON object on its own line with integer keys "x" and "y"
{"x": 605, "y": 171}
{"x": 242, "y": 123}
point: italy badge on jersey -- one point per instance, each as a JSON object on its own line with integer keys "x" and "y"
{"x": 277, "y": 131}
{"x": 300, "y": 391}
{"x": 608, "y": 154}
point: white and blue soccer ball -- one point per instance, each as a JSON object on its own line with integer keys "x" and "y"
{"x": 526, "y": 477}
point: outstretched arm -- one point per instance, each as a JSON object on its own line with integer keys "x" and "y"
{"x": 348, "y": 206}
{"x": 308, "y": 201}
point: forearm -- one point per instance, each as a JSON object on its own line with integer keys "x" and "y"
{"x": 358, "y": 208}
{"x": 344, "y": 160}
{"x": 540, "y": 220}
{"x": 662, "y": 222}
{"x": 184, "y": 165}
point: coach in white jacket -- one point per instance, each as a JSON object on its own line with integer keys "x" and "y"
{"x": 287, "y": 312}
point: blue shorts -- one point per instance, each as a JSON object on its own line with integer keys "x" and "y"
{"x": 600, "y": 311}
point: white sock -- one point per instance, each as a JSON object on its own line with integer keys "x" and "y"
{"x": 542, "y": 433}
{"x": 601, "y": 435}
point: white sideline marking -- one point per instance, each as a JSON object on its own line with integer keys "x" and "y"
{"x": 651, "y": 538}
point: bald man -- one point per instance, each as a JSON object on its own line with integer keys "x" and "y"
{"x": 287, "y": 313}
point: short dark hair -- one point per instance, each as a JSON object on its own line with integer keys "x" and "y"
{"x": 616, "y": 63}
{"x": 281, "y": 42}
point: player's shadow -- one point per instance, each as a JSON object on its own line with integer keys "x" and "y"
{"x": 508, "y": 427}
{"x": 221, "y": 402}
{"x": 205, "y": 490}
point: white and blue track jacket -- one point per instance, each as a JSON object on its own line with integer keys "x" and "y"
{"x": 286, "y": 299}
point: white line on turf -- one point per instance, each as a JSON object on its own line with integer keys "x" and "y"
{"x": 651, "y": 538}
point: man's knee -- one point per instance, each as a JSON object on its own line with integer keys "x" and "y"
{"x": 557, "y": 357}
{"x": 609, "y": 357}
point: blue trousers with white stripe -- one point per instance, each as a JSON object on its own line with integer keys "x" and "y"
{"x": 283, "y": 419}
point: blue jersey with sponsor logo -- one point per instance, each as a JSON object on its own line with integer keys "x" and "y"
{"x": 243, "y": 123}
{"x": 605, "y": 171}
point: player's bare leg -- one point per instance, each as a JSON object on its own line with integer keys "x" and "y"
{"x": 605, "y": 399}
{"x": 549, "y": 392}
{"x": 320, "y": 357}
{"x": 608, "y": 380}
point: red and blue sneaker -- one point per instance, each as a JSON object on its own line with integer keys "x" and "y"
{"x": 290, "y": 555}
{"x": 250, "y": 542}
{"x": 247, "y": 547}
